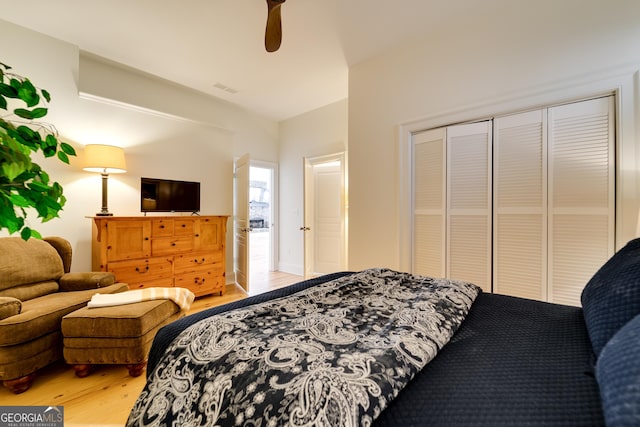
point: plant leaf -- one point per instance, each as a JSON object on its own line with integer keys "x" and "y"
{"x": 23, "y": 112}
{"x": 68, "y": 149}
{"x": 25, "y": 233}
{"x": 38, "y": 186}
{"x": 27, "y": 92}
{"x": 19, "y": 200}
{"x": 42, "y": 209}
{"x": 63, "y": 157}
{"x": 6, "y": 90}
{"x": 37, "y": 113}
{"x": 44, "y": 177}
{"x": 12, "y": 170}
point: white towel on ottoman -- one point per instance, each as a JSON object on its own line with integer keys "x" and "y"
{"x": 181, "y": 296}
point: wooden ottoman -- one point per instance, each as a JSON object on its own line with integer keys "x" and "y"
{"x": 120, "y": 334}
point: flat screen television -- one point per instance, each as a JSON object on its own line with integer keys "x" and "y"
{"x": 166, "y": 195}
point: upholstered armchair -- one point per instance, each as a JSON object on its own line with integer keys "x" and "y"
{"x": 36, "y": 290}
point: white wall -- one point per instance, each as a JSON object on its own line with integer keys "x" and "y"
{"x": 167, "y": 131}
{"x": 316, "y": 133}
{"x": 489, "y": 61}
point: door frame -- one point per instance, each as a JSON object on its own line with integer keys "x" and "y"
{"x": 308, "y": 207}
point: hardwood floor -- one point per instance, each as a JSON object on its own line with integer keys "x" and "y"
{"x": 106, "y": 397}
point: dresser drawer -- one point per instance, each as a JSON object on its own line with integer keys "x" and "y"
{"x": 171, "y": 245}
{"x": 183, "y": 227}
{"x": 194, "y": 262}
{"x": 201, "y": 282}
{"x": 165, "y": 282}
{"x": 161, "y": 227}
{"x": 141, "y": 270}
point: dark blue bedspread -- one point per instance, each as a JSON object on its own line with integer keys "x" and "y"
{"x": 513, "y": 362}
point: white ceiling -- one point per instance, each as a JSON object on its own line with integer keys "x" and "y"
{"x": 204, "y": 43}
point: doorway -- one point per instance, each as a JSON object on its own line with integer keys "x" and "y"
{"x": 255, "y": 219}
{"x": 325, "y": 214}
{"x": 262, "y": 223}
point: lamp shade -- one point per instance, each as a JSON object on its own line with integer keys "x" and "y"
{"x": 104, "y": 159}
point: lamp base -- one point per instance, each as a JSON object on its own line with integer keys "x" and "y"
{"x": 104, "y": 214}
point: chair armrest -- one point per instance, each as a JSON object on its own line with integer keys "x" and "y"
{"x": 88, "y": 280}
{"x": 9, "y": 306}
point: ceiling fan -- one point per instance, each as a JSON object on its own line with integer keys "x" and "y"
{"x": 273, "y": 33}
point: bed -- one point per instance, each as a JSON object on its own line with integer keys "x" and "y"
{"x": 450, "y": 355}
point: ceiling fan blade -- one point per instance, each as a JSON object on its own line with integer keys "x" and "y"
{"x": 273, "y": 33}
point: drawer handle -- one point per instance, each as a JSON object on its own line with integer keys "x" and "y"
{"x": 145, "y": 269}
{"x": 173, "y": 243}
{"x": 183, "y": 225}
{"x": 162, "y": 226}
{"x": 146, "y": 238}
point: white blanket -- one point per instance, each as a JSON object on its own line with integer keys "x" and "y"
{"x": 181, "y": 296}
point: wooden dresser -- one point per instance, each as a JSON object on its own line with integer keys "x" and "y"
{"x": 164, "y": 251}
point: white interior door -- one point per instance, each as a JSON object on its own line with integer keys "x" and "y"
{"x": 581, "y": 194}
{"x": 520, "y": 205}
{"x": 429, "y": 203}
{"x": 241, "y": 224}
{"x": 325, "y": 215}
{"x": 469, "y": 182}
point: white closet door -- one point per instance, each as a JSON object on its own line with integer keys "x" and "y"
{"x": 469, "y": 203}
{"x": 581, "y": 195}
{"x": 520, "y": 205}
{"x": 429, "y": 190}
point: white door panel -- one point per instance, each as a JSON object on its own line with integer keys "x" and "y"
{"x": 241, "y": 223}
{"x": 325, "y": 215}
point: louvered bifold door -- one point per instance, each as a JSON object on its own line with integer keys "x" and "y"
{"x": 429, "y": 189}
{"x": 520, "y": 205}
{"x": 469, "y": 203}
{"x": 581, "y": 195}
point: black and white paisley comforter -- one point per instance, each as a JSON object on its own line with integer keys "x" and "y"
{"x": 332, "y": 355}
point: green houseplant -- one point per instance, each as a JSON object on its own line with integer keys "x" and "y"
{"x": 24, "y": 184}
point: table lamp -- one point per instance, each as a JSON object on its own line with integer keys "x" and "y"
{"x": 104, "y": 159}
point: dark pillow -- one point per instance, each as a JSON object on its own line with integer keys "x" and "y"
{"x": 618, "y": 375}
{"x": 612, "y": 296}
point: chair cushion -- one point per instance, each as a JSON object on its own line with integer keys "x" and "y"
{"x": 43, "y": 315}
{"x": 612, "y": 296}
{"x": 31, "y": 291}
{"x": 618, "y": 375}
